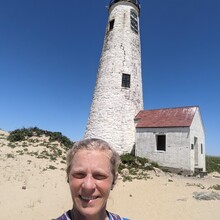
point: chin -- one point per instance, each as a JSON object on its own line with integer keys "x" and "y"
{"x": 91, "y": 210}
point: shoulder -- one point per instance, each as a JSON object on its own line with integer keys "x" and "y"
{"x": 65, "y": 216}
{"x": 113, "y": 216}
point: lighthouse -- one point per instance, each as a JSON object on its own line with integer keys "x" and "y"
{"x": 118, "y": 95}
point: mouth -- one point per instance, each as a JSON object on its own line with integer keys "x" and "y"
{"x": 85, "y": 198}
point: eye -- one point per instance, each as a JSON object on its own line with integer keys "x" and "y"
{"x": 100, "y": 176}
{"x": 78, "y": 175}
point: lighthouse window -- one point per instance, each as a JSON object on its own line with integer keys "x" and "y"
{"x": 201, "y": 148}
{"x": 126, "y": 80}
{"x": 134, "y": 21}
{"x": 111, "y": 24}
{"x": 133, "y": 14}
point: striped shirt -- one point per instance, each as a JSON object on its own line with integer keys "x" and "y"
{"x": 112, "y": 216}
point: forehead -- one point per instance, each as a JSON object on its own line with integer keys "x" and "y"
{"x": 94, "y": 152}
{"x": 93, "y": 157}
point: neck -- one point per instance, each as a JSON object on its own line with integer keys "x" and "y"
{"x": 76, "y": 215}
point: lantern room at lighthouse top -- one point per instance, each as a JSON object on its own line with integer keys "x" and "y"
{"x": 135, "y": 2}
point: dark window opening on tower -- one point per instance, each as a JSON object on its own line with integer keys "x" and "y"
{"x": 133, "y": 14}
{"x": 161, "y": 142}
{"x": 201, "y": 148}
{"x": 111, "y": 24}
{"x": 134, "y": 21}
{"x": 126, "y": 78}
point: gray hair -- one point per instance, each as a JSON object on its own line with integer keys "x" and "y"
{"x": 94, "y": 144}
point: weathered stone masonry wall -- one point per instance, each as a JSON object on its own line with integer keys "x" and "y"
{"x": 113, "y": 108}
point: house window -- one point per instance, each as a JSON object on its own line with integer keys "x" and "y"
{"x": 111, "y": 24}
{"x": 126, "y": 78}
{"x": 201, "y": 148}
{"x": 161, "y": 142}
{"x": 192, "y": 146}
{"x": 134, "y": 21}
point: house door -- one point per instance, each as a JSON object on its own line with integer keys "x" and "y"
{"x": 196, "y": 151}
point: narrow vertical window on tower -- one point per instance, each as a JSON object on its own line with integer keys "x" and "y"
{"x": 134, "y": 21}
{"x": 201, "y": 148}
{"x": 126, "y": 78}
{"x": 111, "y": 24}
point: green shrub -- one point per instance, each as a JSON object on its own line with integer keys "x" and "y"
{"x": 52, "y": 167}
{"x": 127, "y": 159}
{"x": 10, "y": 155}
{"x": 11, "y": 145}
{"x": 212, "y": 164}
{"x": 17, "y": 135}
{"x": 137, "y": 167}
{"x": 25, "y": 133}
{"x": 216, "y": 187}
{"x": 127, "y": 178}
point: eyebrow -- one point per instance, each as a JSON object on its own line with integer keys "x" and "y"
{"x": 81, "y": 169}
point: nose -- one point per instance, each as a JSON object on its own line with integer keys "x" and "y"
{"x": 89, "y": 183}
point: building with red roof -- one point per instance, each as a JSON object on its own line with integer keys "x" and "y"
{"x": 172, "y": 137}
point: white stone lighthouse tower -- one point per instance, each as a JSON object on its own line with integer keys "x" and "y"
{"x": 118, "y": 95}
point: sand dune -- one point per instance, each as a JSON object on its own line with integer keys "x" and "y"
{"x": 36, "y": 188}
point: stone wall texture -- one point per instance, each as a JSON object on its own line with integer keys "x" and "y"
{"x": 114, "y": 107}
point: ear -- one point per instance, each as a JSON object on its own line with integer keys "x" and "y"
{"x": 113, "y": 184}
{"x": 114, "y": 180}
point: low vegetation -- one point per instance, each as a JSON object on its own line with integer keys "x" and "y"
{"x": 216, "y": 187}
{"x": 133, "y": 167}
{"x": 56, "y": 145}
{"x": 25, "y": 133}
{"x": 38, "y": 143}
{"x": 212, "y": 164}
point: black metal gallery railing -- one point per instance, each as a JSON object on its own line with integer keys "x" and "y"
{"x": 136, "y": 2}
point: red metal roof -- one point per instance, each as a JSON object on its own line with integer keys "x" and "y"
{"x": 167, "y": 117}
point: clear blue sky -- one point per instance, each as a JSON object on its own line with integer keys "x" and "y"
{"x": 50, "y": 50}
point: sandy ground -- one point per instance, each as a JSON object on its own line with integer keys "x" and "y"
{"x": 30, "y": 190}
